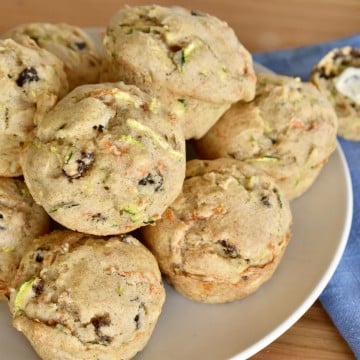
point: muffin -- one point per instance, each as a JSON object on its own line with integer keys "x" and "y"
{"x": 80, "y": 297}
{"x": 69, "y": 43}
{"x": 225, "y": 233}
{"x": 31, "y": 79}
{"x": 106, "y": 160}
{"x": 337, "y": 76}
{"x": 21, "y": 220}
{"x": 288, "y": 131}
{"x": 193, "y": 62}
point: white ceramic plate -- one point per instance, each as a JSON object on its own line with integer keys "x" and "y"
{"x": 193, "y": 331}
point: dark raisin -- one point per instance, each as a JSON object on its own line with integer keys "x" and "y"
{"x": 38, "y": 287}
{"x": 138, "y": 316}
{"x": 98, "y": 322}
{"x": 99, "y": 128}
{"x": 154, "y": 179}
{"x": 245, "y": 277}
{"x": 85, "y": 162}
{"x": 80, "y": 45}
{"x": 137, "y": 321}
{"x": 39, "y": 253}
{"x": 106, "y": 188}
{"x": 28, "y": 75}
{"x": 9, "y": 76}
{"x": 2, "y": 227}
{"x": 1, "y": 216}
{"x": 39, "y": 258}
{"x": 98, "y": 217}
{"x": 175, "y": 48}
{"x": 265, "y": 201}
{"x": 76, "y": 168}
{"x": 228, "y": 249}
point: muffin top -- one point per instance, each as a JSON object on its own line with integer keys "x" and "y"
{"x": 80, "y": 296}
{"x": 228, "y": 219}
{"x": 69, "y": 43}
{"x": 288, "y": 130}
{"x": 186, "y": 52}
{"x": 31, "y": 80}
{"x": 106, "y": 160}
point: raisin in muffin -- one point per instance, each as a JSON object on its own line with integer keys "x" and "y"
{"x": 69, "y": 43}
{"x": 192, "y": 61}
{"x": 80, "y": 297}
{"x": 224, "y": 235}
{"x": 106, "y": 160}
{"x": 21, "y": 220}
{"x": 31, "y": 81}
{"x": 288, "y": 131}
{"x": 337, "y": 75}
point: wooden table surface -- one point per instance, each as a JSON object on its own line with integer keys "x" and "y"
{"x": 260, "y": 25}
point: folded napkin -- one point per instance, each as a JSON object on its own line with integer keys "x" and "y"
{"x": 341, "y": 297}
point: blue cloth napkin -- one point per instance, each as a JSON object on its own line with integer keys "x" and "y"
{"x": 341, "y": 297}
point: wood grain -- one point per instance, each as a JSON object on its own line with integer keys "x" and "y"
{"x": 313, "y": 337}
{"x": 260, "y": 25}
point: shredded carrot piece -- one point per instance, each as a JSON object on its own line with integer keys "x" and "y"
{"x": 169, "y": 215}
{"x": 296, "y": 123}
{"x": 207, "y": 286}
{"x": 219, "y": 210}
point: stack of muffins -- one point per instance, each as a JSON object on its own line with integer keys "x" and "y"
{"x": 109, "y": 157}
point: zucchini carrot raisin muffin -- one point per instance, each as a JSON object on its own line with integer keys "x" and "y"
{"x": 106, "y": 160}
{"x": 337, "y": 75}
{"x": 21, "y": 220}
{"x": 69, "y": 43}
{"x": 192, "y": 61}
{"x": 288, "y": 131}
{"x": 225, "y": 233}
{"x": 80, "y": 297}
{"x": 31, "y": 81}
